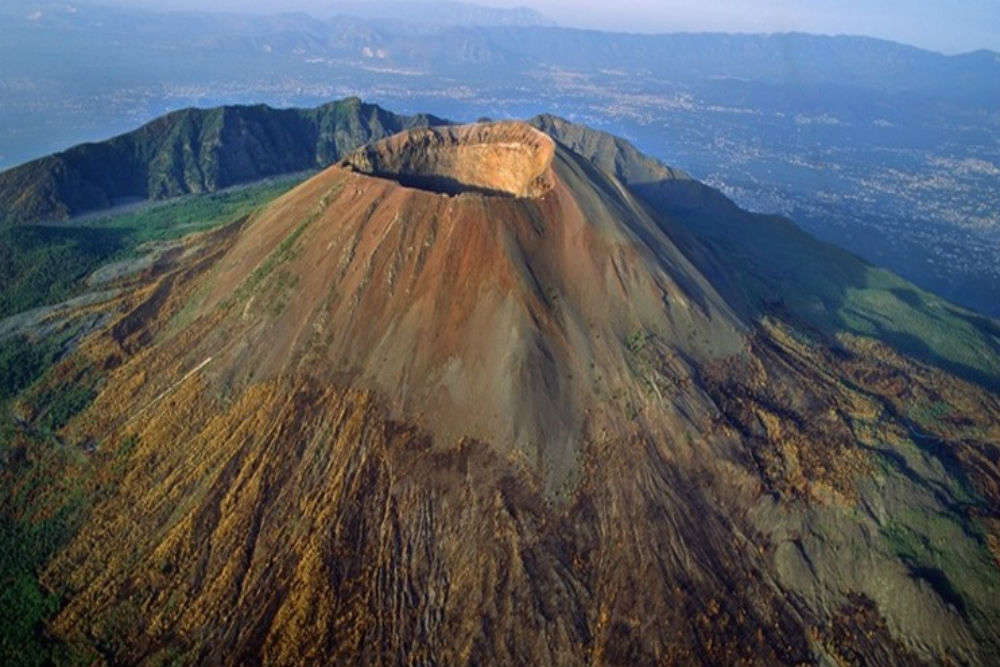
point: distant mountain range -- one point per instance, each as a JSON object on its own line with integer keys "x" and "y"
{"x": 464, "y": 36}
{"x": 193, "y": 150}
{"x": 439, "y": 13}
{"x": 429, "y": 12}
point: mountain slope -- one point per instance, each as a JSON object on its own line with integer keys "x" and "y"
{"x": 466, "y": 398}
{"x": 607, "y": 152}
{"x": 193, "y": 150}
{"x": 766, "y": 265}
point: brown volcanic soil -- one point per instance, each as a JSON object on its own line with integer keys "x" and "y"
{"x": 498, "y": 318}
{"x": 511, "y": 159}
{"x": 420, "y": 411}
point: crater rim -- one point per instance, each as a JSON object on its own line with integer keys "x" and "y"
{"x": 508, "y": 159}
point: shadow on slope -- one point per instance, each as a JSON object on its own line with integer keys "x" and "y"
{"x": 766, "y": 264}
{"x": 444, "y": 185}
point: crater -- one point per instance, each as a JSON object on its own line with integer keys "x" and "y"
{"x": 493, "y": 159}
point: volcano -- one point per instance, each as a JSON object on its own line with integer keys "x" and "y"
{"x": 498, "y": 394}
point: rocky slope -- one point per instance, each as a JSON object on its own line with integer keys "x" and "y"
{"x": 192, "y": 150}
{"x": 765, "y": 264}
{"x": 470, "y": 396}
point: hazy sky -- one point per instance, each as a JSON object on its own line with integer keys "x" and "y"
{"x": 943, "y": 25}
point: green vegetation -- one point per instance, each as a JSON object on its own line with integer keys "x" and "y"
{"x": 949, "y": 553}
{"x": 45, "y": 265}
{"x": 42, "y": 496}
{"x": 929, "y": 414}
{"x": 194, "y": 213}
{"x": 766, "y": 264}
{"x": 22, "y": 362}
{"x": 64, "y": 405}
{"x": 636, "y": 341}
{"x": 922, "y": 325}
{"x": 24, "y": 604}
{"x": 191, "y": 151}
{"x": 43, "y": 499}
{"x": 285, "y": 251}
{"x": 37, "y": 516}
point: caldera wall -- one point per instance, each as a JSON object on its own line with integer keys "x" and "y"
{"x": 502, "y": 159}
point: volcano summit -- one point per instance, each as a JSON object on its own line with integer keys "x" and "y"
{"x": 513, "y": 393}
{"x": 476, "y": 315}
{"x": 498, "y": 159}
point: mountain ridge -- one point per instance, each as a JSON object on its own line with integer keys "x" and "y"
{"x": 446, "y": 13}
{"x": 193, "y": 150}
{"x": 719, "y": 229}
{"x": 82, "y": 179}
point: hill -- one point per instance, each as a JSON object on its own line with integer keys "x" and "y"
{"x": 767, "y": 265}
{"x": 192, "y": 150}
